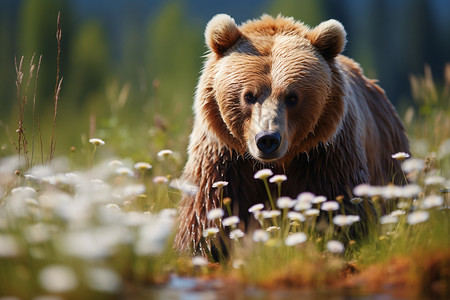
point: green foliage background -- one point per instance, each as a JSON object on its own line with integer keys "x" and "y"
{"x": 133, "y": 72}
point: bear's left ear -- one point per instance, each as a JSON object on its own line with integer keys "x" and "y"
{"x": 221, "y": 33}
{"x": 329, "y": 38}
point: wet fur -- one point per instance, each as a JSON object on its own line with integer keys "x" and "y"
{"x": 351, "y": 142}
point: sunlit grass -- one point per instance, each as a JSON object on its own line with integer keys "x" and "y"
{"x": 291, "y": 246}
{"x": 102, "y": 217}
{"x": 60, "y": 221}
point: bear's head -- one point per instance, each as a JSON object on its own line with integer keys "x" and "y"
{"x": 270, "y": 87}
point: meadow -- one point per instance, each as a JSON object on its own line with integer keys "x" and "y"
{"x": 98, "y": 221}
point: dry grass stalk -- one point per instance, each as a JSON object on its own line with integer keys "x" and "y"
{"x": 22, "y": 97}
{"x": 34, "y": 113}
{"x": 58, "y": 85}
{"x": 23, "y": 82}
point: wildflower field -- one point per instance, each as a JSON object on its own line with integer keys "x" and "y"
{"x": 97, "y": 222}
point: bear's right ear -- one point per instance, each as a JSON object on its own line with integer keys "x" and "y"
{"x": 329, "y": 38}
{"x": 221, "y": 33}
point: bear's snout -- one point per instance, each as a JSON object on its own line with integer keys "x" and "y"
{"x": 268, "y": 142}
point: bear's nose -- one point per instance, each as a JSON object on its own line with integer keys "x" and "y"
{"x": 268, "y": 141}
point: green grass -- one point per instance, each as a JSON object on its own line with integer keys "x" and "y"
{"x": 88, "y": 222}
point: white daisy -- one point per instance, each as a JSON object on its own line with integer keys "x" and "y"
{"x": 400, "y": 155}
{"x": 210, "y": 232}
{"x": 285, "y": 202}
{"x": 96, "y": 142}
{"x": 215, "y": 213}
{"x": 305, "y": 197}
{"x": 417, "y": 217}
{"x": 124, "y": 171}
{"x": 269, "y": 214}
{"x": 236, "y": 234}
{"x": 220, "y": 184}
{"x": 142, "y": 166}
{"x": 319, "y": 199}
{"x": 295, "y": 216}
{"x": 199, "y": 261}
{"x": 412, "y": 164}
{"x": 160, "y": 179}
{"x": 256, "y": 207}
{"x": 260, "y": 235}
{"x": 335, "y": 246}
{"x": 389, "y": 219}
{"x": 330, "y": 206}
{"x": 230, "y": 221}
{"x": 295, "y": 239}
{"x": 164, "y": 153}
{"x": 278, "y": 178}
{"x": 432, "y": 201}
{"x": 312, "y": 212}
{"x": 263, "y": 174}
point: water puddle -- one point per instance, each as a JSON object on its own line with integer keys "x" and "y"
{"x": 181, "y": 288}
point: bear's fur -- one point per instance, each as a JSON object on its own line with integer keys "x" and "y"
{"x": 333, "y": 127}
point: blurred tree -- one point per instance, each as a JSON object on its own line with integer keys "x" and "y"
{"x": 7, "y": 74}
{"x": 132, "y": 67}
{"x": 174, "y": 50}
{"x": 133, "y": 40}
{"x": 419, "y": 34}
{"x": 377, "y": 49}
{"x": 405, "y": 43}
{"x": 37, "y": 35}
{"x": 89, "y": 61}
{"x": 311, "y": 12}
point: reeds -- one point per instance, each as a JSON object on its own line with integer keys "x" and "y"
{"x": 23, "y": 86}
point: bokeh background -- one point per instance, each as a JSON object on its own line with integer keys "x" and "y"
{"x": 130, "y": 66}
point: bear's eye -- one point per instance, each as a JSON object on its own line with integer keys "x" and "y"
{"x": 250, "y": 98}
{"x": 291, "y": 100}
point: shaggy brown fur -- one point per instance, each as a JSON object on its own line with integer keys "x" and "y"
{"x": 337, "y": 127}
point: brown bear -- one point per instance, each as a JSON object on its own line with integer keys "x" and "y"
{"x": 277, "y": 94}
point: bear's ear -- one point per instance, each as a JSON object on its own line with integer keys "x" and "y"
{"x": 329, "y": 38}
{"x": 221, "y": 33}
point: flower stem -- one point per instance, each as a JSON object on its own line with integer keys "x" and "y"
{"x": 279, "y": 189}
{"x": 93, "y": 154}
{"x": 272, "y": 205}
